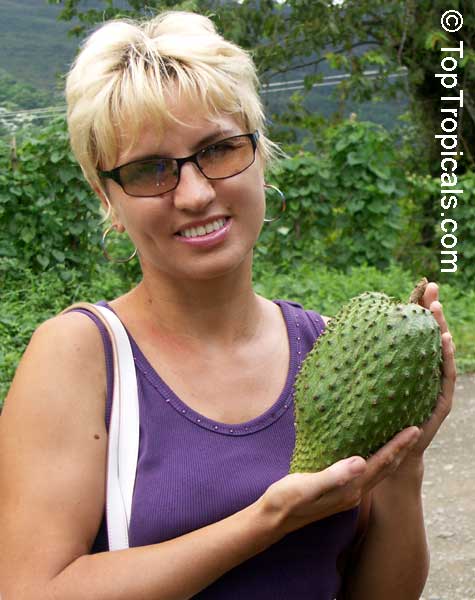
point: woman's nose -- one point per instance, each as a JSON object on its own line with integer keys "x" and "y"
{"x": 194, "y": 191}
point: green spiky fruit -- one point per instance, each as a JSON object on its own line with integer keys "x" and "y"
{"x": 374, "y": 371}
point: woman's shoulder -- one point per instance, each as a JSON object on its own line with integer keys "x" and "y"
{"x": 68, "y": 329}
{"x": 63, "y": 350}
{"x": 59, "y": 387}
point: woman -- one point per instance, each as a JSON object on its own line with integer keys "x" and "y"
{"x": 214, "y": 513}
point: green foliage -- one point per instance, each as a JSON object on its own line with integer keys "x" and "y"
{"x": 343, "y": 204}
{"x": 464, "y": 214}
{"x": 414, "y": 254}
{"x": 19, "y": 94}
{"x": 48, "y": 216}
{"x": 369, "y": 183}
{"x": 29, "y": 298}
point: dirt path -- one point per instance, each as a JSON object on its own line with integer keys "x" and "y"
{"x": 449, "y": 501}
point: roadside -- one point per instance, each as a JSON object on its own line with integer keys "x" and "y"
{"x": 449, "y": 500}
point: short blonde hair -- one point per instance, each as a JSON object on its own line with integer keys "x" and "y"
{"x": 123, "y": 72}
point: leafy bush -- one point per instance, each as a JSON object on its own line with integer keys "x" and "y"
{"x": 28, "y": 299}
{"x": 358, "y": 202}
{"x": 343, "y": 205}
{"x": 414, "y": 254}
{"x": 47, "y": 214}
{"x": 49, "y": 217}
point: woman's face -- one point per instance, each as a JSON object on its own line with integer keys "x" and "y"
{"x": 156, "y": 225}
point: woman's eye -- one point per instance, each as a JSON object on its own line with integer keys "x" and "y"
{"x": 147, "y": 170}
{"x": 220, "y": 148}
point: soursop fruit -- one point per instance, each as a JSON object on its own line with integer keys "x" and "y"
{"x": 375, "y": 370}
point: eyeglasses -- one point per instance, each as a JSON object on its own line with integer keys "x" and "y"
{"x": 154, "y": 176}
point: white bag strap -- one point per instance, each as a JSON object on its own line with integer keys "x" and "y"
{"x": 123, "y": 441}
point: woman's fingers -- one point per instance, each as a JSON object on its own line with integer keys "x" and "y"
{"x": 342, "y": 472}
{"x": 333, "y": 478}
{"x": 436, "y": 309}
{"x": 362, "y": 475}
{"x": 445, "y": 399}
{"x": 430, "y": 300}
{"x": 449, "y": 369}
{"x": 302, "y": 498}
{"x": 431, "y": 294}
{"x": 388, "y": 458}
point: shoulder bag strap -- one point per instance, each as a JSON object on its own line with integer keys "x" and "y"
{"x": 123, "y": 439}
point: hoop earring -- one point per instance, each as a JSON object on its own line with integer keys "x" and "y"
{"x": 107, "y": 255}
{"x": 282, "y": 200}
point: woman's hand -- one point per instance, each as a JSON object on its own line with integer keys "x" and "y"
{"x": 301, "y": 498}
{"x": 430, "y": 300}
{"x": 443, "y": 407}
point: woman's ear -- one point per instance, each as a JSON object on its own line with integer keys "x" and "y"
{"x": 103, "y": 198}
{"x": 108, "y": 208}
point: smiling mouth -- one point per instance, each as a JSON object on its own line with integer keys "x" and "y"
{"x": 202, "y": 230}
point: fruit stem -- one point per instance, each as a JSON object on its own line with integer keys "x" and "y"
{"x": 418, "y": 291}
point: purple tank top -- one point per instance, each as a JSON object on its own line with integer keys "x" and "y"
{"x": 193, "y": 471}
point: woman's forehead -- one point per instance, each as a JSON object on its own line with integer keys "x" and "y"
{"x": 169, "y": 123}
{"x": 175, "y": 138}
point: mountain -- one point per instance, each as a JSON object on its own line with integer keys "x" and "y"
{"x": 36, "y": 51}
{"x": 34, "y": 47}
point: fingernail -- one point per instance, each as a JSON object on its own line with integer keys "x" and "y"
{"x": 357, "y": 465}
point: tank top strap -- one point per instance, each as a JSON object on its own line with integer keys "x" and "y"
{"x": 109, "y": 358}
{"x": 311, "y": 324}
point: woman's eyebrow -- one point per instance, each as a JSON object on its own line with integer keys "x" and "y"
{"x": 211, "y": 137}
{"x": 220, "y": 134}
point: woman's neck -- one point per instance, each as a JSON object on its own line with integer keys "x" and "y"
{"x": 221, "y": 311}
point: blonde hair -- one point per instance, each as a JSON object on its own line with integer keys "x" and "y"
{"x": 123, "y": 74}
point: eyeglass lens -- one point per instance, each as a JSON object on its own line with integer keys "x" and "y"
{"x": 217, "y": 161}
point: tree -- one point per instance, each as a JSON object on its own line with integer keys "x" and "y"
{"x": 19, "y": 94}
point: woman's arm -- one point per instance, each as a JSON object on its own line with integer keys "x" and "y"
{"x": 393, "y": 561}
{"x": 53, "y": 446}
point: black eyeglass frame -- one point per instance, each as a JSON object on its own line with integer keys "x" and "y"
{"x": 114, "y": 174}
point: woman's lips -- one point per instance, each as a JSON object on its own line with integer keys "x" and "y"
{"x": 209, "y": 239}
